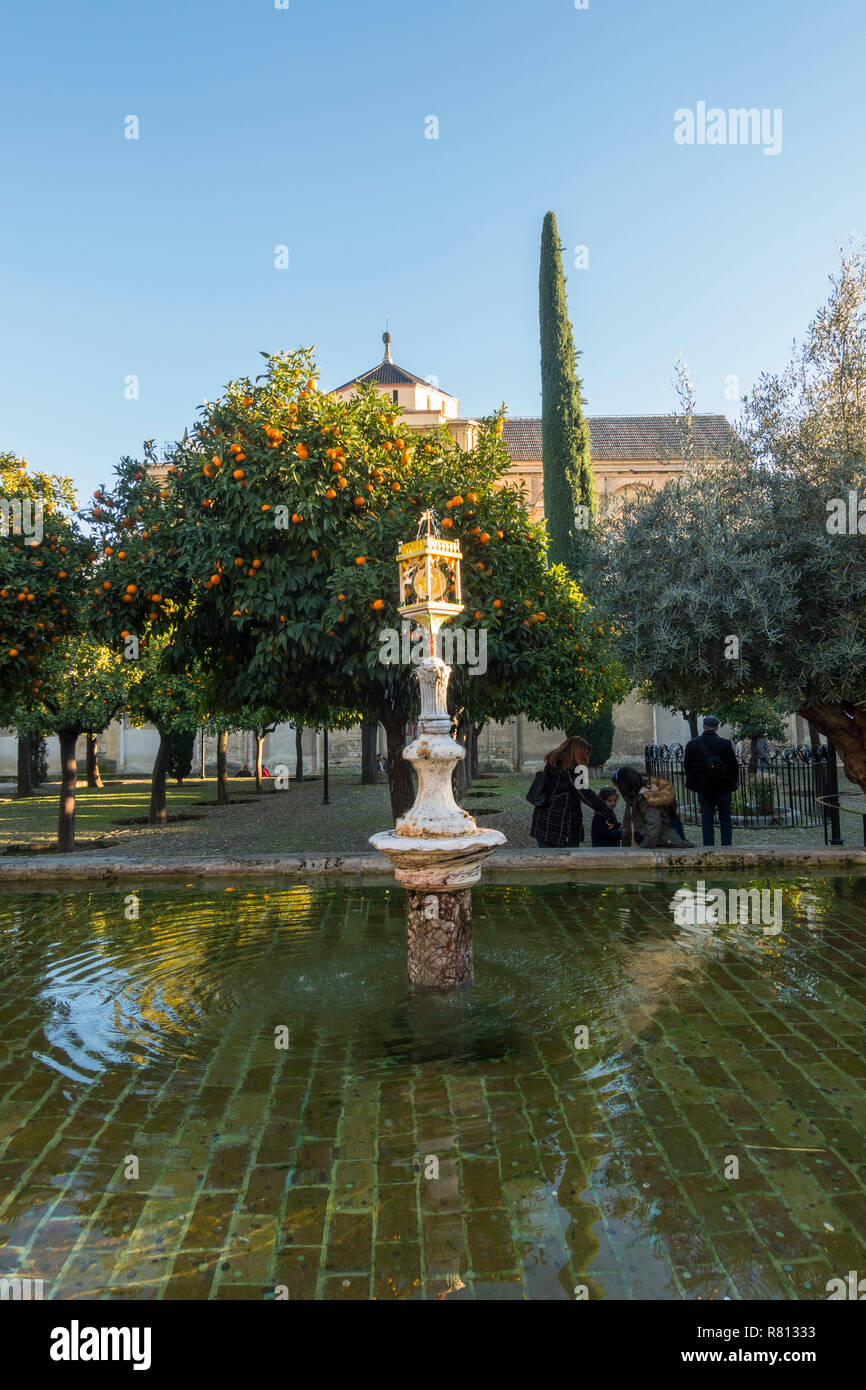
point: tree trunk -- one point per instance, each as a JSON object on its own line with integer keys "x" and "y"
{"x": 753, "y": 754}
{"x": 814, "y": 737}
{"x": 326, "y": 800}
{"x": 691, "y": 719}
{"x": 156, "y": 814}
{"x": 369, "y": 756}
{"x": 476, "y": 734}
{"x": 202, "y": 772}
{"x": 68, "y": 786}
{"x": 93, "y": 777}
{"x": 222, "y": 770}
{"x": 25, "y": 775}
{"x": 260, "y": 743}
{"x": 400, "y": 784}
{"x": 459, "y": 779}
{"x": 299, "y": 754}
{"x": 846, "y": 727}
{"x": 467, "y": 761}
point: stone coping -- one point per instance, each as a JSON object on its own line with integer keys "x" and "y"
{"x": 107, "y": 868}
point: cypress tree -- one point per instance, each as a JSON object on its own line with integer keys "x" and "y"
{"x": 567, "y": 466}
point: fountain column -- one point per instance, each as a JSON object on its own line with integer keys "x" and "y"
{"x": 436, "y": 848}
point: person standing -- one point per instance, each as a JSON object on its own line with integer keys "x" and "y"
{"x": 711, "y": 769}
{"x": 557, "y": 821}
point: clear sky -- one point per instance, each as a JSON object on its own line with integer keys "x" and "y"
{"x": 305, "y": 127}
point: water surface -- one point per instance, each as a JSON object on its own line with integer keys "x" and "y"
{"x": 155, "y": 1141}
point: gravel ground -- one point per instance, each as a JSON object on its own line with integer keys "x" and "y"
{"x": 295, "y": 820}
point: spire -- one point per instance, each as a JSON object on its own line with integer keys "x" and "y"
{"x": 386, "y": 339}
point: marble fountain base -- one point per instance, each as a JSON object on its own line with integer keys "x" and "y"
{"x": 438, "y": 873}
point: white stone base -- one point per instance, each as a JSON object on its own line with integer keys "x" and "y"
{"x": 452, "y": 861}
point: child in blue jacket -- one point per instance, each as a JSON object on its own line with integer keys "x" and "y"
{"x": 605, "y": 835}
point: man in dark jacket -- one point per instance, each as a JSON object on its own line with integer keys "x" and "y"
{"x": 711, "y": 769}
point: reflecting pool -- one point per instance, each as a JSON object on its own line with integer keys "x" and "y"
{"x": 232, "y": 1092}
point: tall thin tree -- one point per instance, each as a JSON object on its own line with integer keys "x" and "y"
{"x": 569, "y": 485}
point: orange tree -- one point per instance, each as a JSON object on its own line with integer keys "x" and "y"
{"x": 168, "y": 699}
{"x": 265, "y": 551}
{"x": 84, "y": 687}
{"x": 45, "y": 565}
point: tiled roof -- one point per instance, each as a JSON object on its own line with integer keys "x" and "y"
{"x": 619, "y": 437}
{"x": 389, "y": 374}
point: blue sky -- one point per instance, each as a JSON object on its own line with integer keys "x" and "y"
{"x": 305, "y": 127}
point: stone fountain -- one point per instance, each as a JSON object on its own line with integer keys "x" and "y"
{"x": 436, "y": 848}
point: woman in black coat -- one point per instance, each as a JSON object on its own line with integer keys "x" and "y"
{"x": 558, "y": 822}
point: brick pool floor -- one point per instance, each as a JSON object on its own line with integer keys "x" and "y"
{"x": 419, "y": 1148}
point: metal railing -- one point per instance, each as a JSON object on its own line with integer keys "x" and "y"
{"x": 784, "y": 789}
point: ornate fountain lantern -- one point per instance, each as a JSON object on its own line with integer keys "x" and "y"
{"x": 429, "y": 577}
{"x": 436, "y": 847}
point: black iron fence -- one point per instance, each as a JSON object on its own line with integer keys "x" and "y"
{"x": 784, "y": 788}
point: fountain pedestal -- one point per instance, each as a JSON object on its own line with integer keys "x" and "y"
{"x": 437, "y": 848}
{"x": 440, "y": 937}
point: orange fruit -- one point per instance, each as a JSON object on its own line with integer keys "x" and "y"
{"x": 61, "y": 574}
{"x": 447, "y": 523}
{"x": 484, "y": 538}
{"x": 132, "y": 588}
{"x": 257, "y": 564}
{"x": 377, "y": 604}
{"x": 238, "y": 473}
{"x": 238, "y": 561}
{"x": 106, "y": 584}
{"x": 359, "y": 501}
{"x": 341, "y": 483}
{"x": 331, "y": 492}
{"x": 478, "y": 613}
{"x": 302, "y": 451}
{"x": 360, "y": 560}
{"x": 266, "y": 506}
{"x": 336, "y": 466}
{"x": 497, "y": 603}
